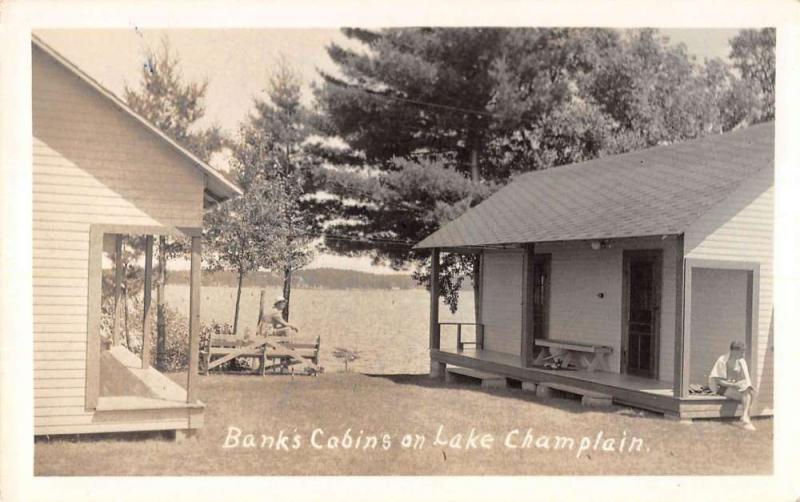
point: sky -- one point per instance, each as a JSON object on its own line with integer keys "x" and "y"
{"x": 237, "y": 62}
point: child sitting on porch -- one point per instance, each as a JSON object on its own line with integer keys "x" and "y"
{"x": 730, "y": 377}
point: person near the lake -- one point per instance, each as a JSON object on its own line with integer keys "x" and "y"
{"x": 274, "y": 324}
{"x": 730, "y": 378}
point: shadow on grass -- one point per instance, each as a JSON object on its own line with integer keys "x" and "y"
{"x": 106, "y": 437}
{"x": 564, "y": 401}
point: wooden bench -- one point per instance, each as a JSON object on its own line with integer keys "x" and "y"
{"x": 284, "y": 352}
{"x": 589, "y": 356}
{"x": 488, "y": 380}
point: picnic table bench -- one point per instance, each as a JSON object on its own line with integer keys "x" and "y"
{"x": 590, "y": 356}
{"x": 283, "y": 352}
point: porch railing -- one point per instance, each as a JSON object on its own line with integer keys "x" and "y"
{"x": 478, "y": 342}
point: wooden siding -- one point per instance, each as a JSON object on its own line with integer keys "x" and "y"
{"x": 718, "y": 316}
{"x": 92, "y": 164}
{"x": 740, "y": 228}
{"x": 578, "y": 274}
{"x": 502, "y": 300}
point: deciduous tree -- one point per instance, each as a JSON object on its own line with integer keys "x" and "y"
{"x": 275, "y": 150}
{"x": 240, "y": 234}
{"x": 753, "y": 54}
{"x": 175, "y": 108}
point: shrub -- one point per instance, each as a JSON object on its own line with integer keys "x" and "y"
{"x": 176, "y": 353}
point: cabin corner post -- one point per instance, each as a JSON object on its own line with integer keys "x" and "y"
{"x": 437, "y": 368}
{"x": 434, "y": 290}
{"x": 680, "y": 380}
{"x": 526, "y": 335}
{"x": 94, "y": 301}
{"x": 194, "y": 321}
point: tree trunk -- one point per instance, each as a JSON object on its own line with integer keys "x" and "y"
{"x": 238, "y": 299}
{"x": 287, "y": 290}
{"x": 473, "y": 161}
{"x": 476, "y": 266}
{"x": 127, "y": 331}
{"x": 161, "y": 320}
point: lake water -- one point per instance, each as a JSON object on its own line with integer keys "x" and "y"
{"x": 387, "y": 328}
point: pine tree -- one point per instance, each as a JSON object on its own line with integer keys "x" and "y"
{"x": 487, "y": 104}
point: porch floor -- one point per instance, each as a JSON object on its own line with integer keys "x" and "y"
{"x": 639, "y": 392}
{"x": 126, "y": 403}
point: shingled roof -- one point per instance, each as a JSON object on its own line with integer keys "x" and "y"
{"x": 657, "y": 191}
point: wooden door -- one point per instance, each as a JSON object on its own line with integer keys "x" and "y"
{"x": 641, "y": 312}
{"x": 541, "y": 283}
{"x": 541, "y": 298}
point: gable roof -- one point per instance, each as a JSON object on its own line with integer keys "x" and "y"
{"x": 218, "y": 188}
{"x": 657, "y": 191}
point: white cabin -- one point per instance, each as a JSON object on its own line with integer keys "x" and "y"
{"x": 661, "y": 257}
{"x": 101, "y": 172}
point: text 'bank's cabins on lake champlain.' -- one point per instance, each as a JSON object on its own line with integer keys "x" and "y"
{"x": 101, "y": 172}
{"x": 641, "y": 268}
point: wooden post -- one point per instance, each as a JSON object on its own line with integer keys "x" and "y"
{"x": 117, "y": 287}
{"x": 161, "y": 323}
{"x": 148, "y": 286}
{"x": 434, "y": 289}
{"x": 194, "y": 321}
{"x": 526, "y": 346}
{"x": 459, "y": 344}
{"x": 680, "y": 378}
{"x": 262, "y": 305}
{"x": 95, "y": 298}
{"x": 479, "y": 289}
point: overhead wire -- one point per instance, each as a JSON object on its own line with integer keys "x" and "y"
{"x": 367, "y": 240}
{"x": 423, "y": 103}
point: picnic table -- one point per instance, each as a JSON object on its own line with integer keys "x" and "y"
{"x": 283, "y": 352}
{"x": 589, "y": 356}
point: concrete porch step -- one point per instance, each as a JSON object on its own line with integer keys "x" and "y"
{"x": 488, "y": 380}
{"x": 122, "y": 375}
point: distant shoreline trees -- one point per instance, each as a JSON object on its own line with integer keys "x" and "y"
{"x": 315, "y": 278}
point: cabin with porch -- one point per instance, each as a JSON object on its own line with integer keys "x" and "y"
{"x": 625, "y": 276}
{"x": 102, "y": 174}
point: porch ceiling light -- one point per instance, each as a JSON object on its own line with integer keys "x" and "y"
{"x": 596, "y": 245}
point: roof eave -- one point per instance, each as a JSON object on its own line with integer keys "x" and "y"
{"x": 215, "y": 181}
{"x": 473, "y": 247}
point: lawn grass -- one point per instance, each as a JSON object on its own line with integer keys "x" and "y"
{"x": 397, "y": 405}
